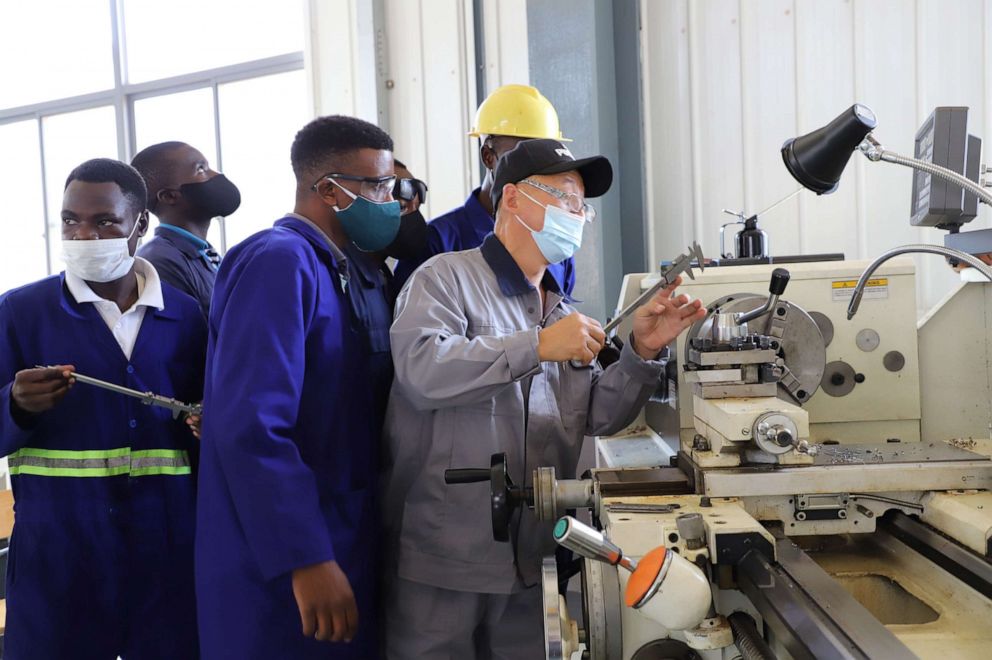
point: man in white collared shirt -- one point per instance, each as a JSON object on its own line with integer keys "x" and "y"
{"x": 123, "y": 324}
{"x": 104, "y": 485}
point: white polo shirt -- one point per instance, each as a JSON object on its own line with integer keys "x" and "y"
{"x": 123, "y": 325}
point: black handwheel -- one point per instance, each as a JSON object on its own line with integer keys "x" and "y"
{"x": 500, "y": 497}
{"x": 504, "y": 496}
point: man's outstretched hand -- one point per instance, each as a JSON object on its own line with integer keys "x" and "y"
{"x": 660, "y": 320}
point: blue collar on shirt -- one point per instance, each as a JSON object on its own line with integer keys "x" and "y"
{"x": 365, "y": 264}
{"x": 189, "y": 236}
{"x": 320, "y": 241}
{"x": 511, "y": 279}
{"x": 479, "y": 218}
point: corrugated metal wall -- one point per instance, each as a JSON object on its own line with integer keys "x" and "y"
{"x": 726, "y": 82}
{"x": 431, "y": 85}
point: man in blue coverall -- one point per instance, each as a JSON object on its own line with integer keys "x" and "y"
{"x": 101, "y": 558}
{"x": 186, "y": 195}
{"x": 286, "y": 543}
{"x": 510, "y": 114}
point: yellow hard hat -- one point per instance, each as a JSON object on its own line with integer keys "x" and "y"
{"x": 517, "y": 111}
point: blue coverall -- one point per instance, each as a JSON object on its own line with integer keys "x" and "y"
{"x": 290, "y": 446}
{"x": 101, "y": 558}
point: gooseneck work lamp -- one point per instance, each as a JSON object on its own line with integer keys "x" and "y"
{"x": 817, "y": 160}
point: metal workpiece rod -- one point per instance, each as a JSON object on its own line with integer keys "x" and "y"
{"x": 574, "y": 494}
{"x": 940, "y": 250}
{"x": 590, "y": 543}
{"x": 747, "y": 638}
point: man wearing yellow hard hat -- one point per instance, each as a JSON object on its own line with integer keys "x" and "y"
{"x": 510, "y": 114}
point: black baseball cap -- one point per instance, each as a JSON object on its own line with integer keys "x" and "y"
{"x": 545, "y": 156}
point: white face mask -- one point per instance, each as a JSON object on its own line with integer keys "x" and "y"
{"x": 100, "y": 260}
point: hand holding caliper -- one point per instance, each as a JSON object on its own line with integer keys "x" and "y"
{"x": 681, "y": 264}
{"x": 654, "y": 320}
{"x": 148, "y": 398}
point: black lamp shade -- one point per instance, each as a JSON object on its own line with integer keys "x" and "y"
{"x": 817, "y": 159}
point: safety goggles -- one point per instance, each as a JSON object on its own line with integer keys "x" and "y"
{"x": 407, "y": 189}
{"x": 573, "y": 203}
{"x": 372, "y": 188}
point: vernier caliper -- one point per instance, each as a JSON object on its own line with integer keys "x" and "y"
{"x": 148, "y": 398}
{"x": 680, "y": 264}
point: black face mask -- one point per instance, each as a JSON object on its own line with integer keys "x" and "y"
{"x": 411, "y": 241}
{"x": 216, "y": 196}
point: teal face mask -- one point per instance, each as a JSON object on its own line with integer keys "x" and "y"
{"x": 370, "y": 225}
{"x": 561, "y": 235}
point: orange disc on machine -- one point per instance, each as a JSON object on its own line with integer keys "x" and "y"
{"x": 644, "y": 576}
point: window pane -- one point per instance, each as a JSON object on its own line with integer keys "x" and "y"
{"x": 252, "y": 29}
{"x": 256, "y": 155}
{"x": 50, "y": 49}
{"x": 155, "y": 121}
{"x": 70, "y": 139}
{"x": 22, "y": 250}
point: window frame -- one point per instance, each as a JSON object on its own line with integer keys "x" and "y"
{"x": 123, "y": 96}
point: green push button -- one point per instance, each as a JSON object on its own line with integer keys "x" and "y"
{"x": 560, "y": 528}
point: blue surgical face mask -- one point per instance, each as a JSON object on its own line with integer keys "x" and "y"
{"x": 370, "y": 225}
{"x": 561, "y": 235}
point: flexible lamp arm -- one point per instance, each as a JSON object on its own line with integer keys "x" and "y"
{"x": 874, "y": 151}
{"x": 950, "y": 253}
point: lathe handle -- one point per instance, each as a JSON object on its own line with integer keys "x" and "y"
{"x": 780, "y": 279}
{"x": 466, "y": 475}
{"x": 590, "y": 543}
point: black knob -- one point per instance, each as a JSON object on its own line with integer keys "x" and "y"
{"x": 780, "y": 278}
{"x": 466, "y": 475}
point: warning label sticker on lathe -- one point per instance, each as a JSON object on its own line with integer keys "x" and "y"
{"x": 876, "y": 288}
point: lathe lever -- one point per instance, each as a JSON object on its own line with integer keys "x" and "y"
{"x": 590, "y": 543}
{"x": 780, "y": 279}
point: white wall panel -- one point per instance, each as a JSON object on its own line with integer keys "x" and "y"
{"x": 886, "y": 66}
{"x": 760, "y": 71}
{"x": 431, "y": 94}
{"x": 717, "y": 138}
{"x": 768, "y": 84}
{"x": 341, "y": 57}
{"x": 668, "y": 164}
{"x": 824, "y": 87}
{"x": 505, "y": 42}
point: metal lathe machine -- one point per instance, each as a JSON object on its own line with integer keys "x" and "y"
{"x": 825, "y": 480}
{"x": 812, "y": 478}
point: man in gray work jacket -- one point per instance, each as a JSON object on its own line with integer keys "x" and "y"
{"x": 486, "y": 349}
